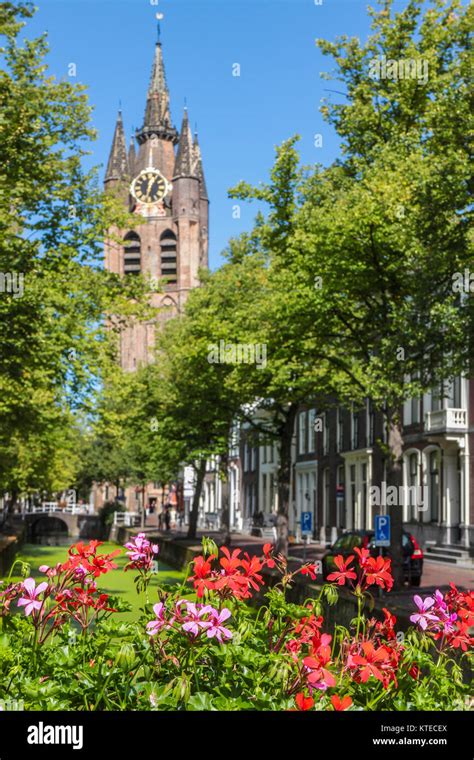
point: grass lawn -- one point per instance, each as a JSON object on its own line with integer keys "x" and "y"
{"x": 114, "y": 582}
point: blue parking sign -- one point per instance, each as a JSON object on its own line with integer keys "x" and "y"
{"x": 382, "y": 530}
{"x": 306, "y": 522}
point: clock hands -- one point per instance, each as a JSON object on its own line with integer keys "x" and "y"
{"x": 148, "y": 196}
{"x": 149, "y": 187}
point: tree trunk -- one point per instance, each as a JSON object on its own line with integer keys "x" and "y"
{"x": 12, "y": 502}
{"x": 143, "y": 515}
{"x": 395, "y": 478}
{"x": 193, "y": 517}
{"x": 284, "y": 478}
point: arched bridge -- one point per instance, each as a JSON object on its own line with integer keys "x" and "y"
{"x": 50, "y": 523}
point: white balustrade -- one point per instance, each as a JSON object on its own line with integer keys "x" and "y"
{"x": 446, "y": 419}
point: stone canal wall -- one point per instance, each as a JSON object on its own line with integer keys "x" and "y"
{"x": 9, "y": 547}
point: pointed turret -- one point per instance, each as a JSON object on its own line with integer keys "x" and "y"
{"x": 185, "y": 162}
{"x": 117, "y": 167}
{"x": 132, "y": 156}
{"x": 157, "y": 119}
{"x": 198, "y": 167}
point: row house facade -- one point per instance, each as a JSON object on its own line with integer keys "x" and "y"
{"x": 339, "y": 459}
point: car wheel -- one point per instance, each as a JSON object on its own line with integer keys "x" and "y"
{"x": 416, "y": 580}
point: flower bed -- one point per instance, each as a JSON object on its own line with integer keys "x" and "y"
{"x": 201, "y": 646}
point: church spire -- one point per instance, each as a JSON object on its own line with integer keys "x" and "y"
{"x": 117, "y": 167}
{"x": 157, "y": 119}
{"x": 185, "y": 164}
{"x": 198, "y": 167}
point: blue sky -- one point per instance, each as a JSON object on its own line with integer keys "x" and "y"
{"x": 240, "y": 119}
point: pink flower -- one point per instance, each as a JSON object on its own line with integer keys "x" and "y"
{"x": 141, "y": 552}
{"x": 194, "y": 622}
{"x": 154, "y": 626}
{"x": 214, "y": 625}
{"x": 30, "y": 601}
{"x": 423, "y": 617}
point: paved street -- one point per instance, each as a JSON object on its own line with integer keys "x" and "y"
{"x": 434, "y": 573}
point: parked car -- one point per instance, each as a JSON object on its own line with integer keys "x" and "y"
{"x": 345, "y": 544}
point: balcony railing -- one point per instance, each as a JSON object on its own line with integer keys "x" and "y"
{"x": 446, "y": 421}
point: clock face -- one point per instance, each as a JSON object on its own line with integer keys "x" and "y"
{"x": 149, "y": 187}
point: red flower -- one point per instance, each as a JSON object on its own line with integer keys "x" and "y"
{"x": 267, "y": 550}
{"x": 229, "y": 562}
{"x": 370, "y": 664}
{"x": 386, "y": 628}
{"x": 460, "y": 637}
{"x": 363, "y": 555}
{"x": 414, "y": 671}
{"x": 202, "y": 572}
{"x": 343, "y": 573}
{"x": 252, "y": 567}
{"x": 102, "y": 563}
{"x": 309, "y": 570}
{"x": 308, "y": 627}
{"x": 340, "y": 704}
{"x": 304, "y": 703}
{"x": 320, "y": 677}
{"x": 377, "y": 570}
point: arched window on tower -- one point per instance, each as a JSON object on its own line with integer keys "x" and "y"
{"x": 131, "y": 254}
{"x": 169, "y": 265}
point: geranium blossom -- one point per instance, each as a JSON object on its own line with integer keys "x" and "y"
{"x": 370, "y": 661}
{"x": 202, "y": 574}
{"x": 141, "y": 552}
{"x": 423, "y": 617}
{"x": 342, "y": 574}
{"x": 304, "y": 703}
{"x": 194, "y": 614}
{"x": 154, "y": 626}
{"x": 309, "y": 569}
{"x": 340, "y": 704}
{"x": 214, "y": 627}
{"x": 378, "y": 570}
{"x": 30, "y": 601}
{"x": 319, "y": 677}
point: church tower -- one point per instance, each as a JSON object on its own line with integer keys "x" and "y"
{"x": 161, "y": 180}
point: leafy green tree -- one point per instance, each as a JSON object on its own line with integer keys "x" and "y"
{"x": 53, "y": 220}
{"x": 384, "y": 231}
{"x": 362, "y": 255}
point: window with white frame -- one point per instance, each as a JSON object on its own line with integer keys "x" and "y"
{"x": 302, "y": 425}
{"x": 311, "y": 430}
{"x": 340, "y": 495}
{"x": 433, "y": 475}
{"x": 270, "y": 457}
{"x": 326, "y": 482}
{"x": 254, "y": 457}
{"x": 412, "y": 477}
{"x": 363, "y": 508}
